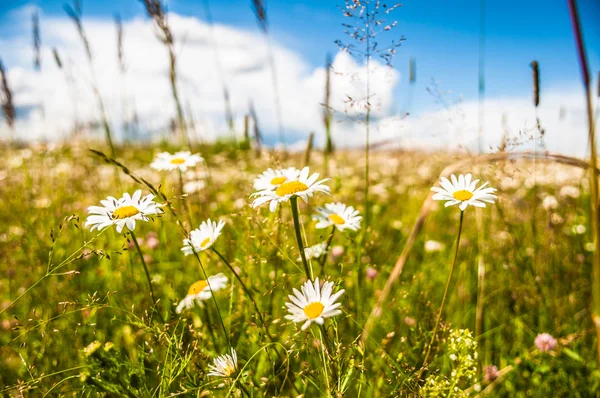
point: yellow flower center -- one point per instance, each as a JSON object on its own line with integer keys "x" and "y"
{"x": 278, "y": 180}
{"x": 314, "y": 310}
{"x": 197, "y": 287}
{"x": 125, "y": 212}
{"x": 204, "y": 242}
{"x": 290, "y": 188}
{"x": 336, "y": 219}
{"x": 228, "y": 370}
{"x": 462, "y": 195}
{"x": 177, "y": 161}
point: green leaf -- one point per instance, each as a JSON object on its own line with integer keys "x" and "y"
{"x": 573, "y": 355}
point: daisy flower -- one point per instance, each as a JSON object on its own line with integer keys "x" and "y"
{"x": 201, "y": 291}
{"x": 202, "y": 238}
{"x": 315, "y": 251}
{"x": 339, "y": 215}
{"x": 122, "y": 212}
{"x": 313, "y": 304}
{"x": 180, "y": 160}
{"x": 304, "y": 187}
{"x": 273, "y": 178}
{"x": 461, "y": 191}
{"x": 224, "y": 365}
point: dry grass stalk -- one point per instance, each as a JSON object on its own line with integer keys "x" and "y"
{"x": 120, "y": 53}
{"x": 8, "y": 106}
{"x": 535, "y": 67}
{"x": 260, "y": 10}
{"x": 309, "y": 147}
{"x": 75, "y": 14}
{"x": 57, "y": 58}
{"x": 37, "y": 40}
{"x": 327, "y": 114}
{"x": 426, "y": 208}
{"x": 585, "y": 74}
{"x": 412, "y": 70}
{"x": 257, "y": 134}
{"x": 157, "y": 12}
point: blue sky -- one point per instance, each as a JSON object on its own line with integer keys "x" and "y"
{"x": 442, "y": 35}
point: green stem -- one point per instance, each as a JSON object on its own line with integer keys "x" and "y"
{"x": 212, "y": 295}
{"x": 139, "y": 250}
{"x": 439, "y": 316}
{"x": 185, "y": 203}
{"x": 248, "y": 293}
{"x": 242, "y": 388}
{"x": 296, "y": 216}
{"x": 324, "y": 256}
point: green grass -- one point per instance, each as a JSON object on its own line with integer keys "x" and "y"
{"x": 537, "y": 280}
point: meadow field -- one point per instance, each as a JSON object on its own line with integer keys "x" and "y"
{"x": 235, "y": 262}
{"x": 78, "y": 318}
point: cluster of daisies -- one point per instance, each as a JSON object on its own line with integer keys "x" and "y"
{"x": 315, "y": 301}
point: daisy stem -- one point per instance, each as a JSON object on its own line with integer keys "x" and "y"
{"x": 247, "y": 291}
{"x": 213, "y": 296}
{"x": 209, "y": 324}
{"x": 439, "y": 316}
{"x": 325, "y": 339}
{"x": 139, "y": 250}
{"x": 296, "y": 216}
{"x": 185, "y": 203}
{"x": 242, "y": 388}
{"x": 324, "y": 257}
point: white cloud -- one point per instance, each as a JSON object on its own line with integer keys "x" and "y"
{"x": 66, "y": 97}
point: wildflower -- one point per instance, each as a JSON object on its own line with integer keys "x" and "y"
{"x": 549, "y": 202}
{"x": 315, "y": 251}
{"x": 570, "y": 191}
{"x": 180, "y": 160}
{"x": 545, "y": 342}
{"x": 314, "y": 303}
{"x": 579, "y": 229}
{"x": 152, "y": 240}
{"x": 371, "y": 273}
{"x": 433, "y": 246}
{"x": 339, "y": 215}
{"x": 201, "y": 291}
{"x": 337, "y": 251}
{"x": 203, "y": 237}
{"x": 461, "y": 191}
{"x": 491, "y": 373}
{"x": 91, "y": 348}
{"x": 224, "y": 365}
{"x": 273, "y": 178}
{"x": 303, "y": 187}
{"x": 194, "y": 186}
{"x": 122, "y": 212}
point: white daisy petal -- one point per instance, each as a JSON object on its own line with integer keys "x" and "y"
{"x": 314, "y": 303}
{"x": 286, "y": 184}
{"x": 179, "y": 161}
{"x": 462, "y": 191}
{"x": 202, "y": 290}
{"x": 339, "y": 215}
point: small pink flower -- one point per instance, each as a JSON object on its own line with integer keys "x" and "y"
{"x": 337, "y": 251}
{"x": 491, "y": 373}
{"x": 152, "y": 241}
{"x": 371, "y": 273}
{"x": 545, "y": 342}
